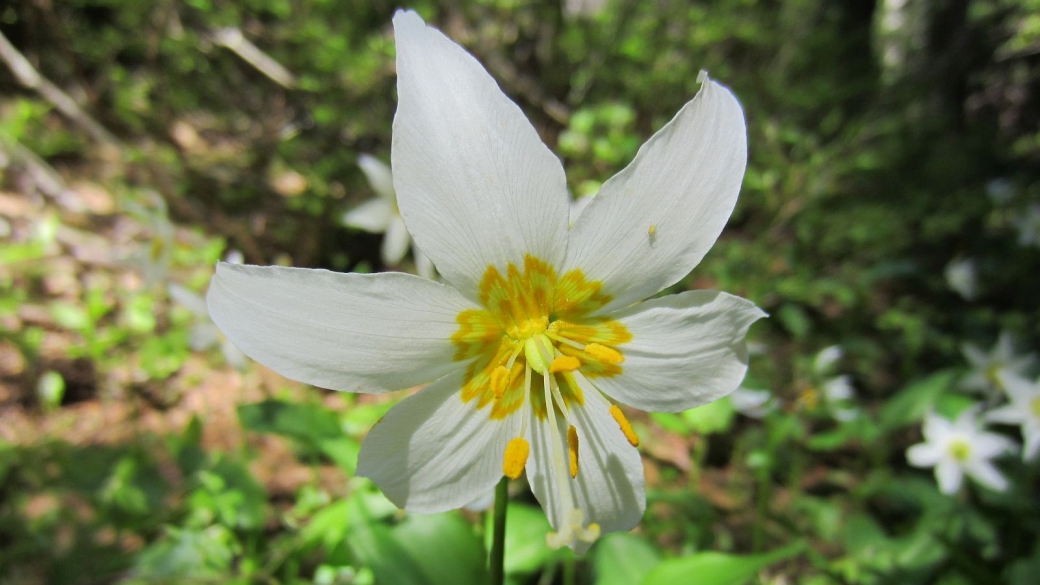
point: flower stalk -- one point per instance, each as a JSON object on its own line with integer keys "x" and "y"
{"x": 498, "y": 535}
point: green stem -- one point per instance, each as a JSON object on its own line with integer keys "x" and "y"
{"x": 568, "y": 571}
{"x": 498, "y": 538}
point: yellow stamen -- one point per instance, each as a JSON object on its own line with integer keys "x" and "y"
{"x": 564, "y": 363}
{"x": 515, "y": 457}
{"x": 607, "y": 355}
{"x": 499, "y": 381}
{"x": 572, "y": 448}
{"x": 622, "y": 422}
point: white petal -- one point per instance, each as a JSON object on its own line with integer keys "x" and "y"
{"x": 378, "y": 175}
{"x": 967, "y": 421}
{"x": 395, "y": 242}
{"x": 351, "y": 332}
{"x": 986, "y": 474}
{"x": 924, "y": 455}
{"x": 838, "y": 388}
{"x": 187, "y": 299}
{"x": 233, "y": 356}
{"x": 576, "y": 207}
{"x": 475, "y": 184}
{"x": 975, "y": 355}
{"x": 1031, "y": 436}
{"x": 686, "y": 350}
{"x": 203, "y": 336}
{"x": 372, "y": 216}
{"x": 936, "y": 429}
{"x": 609, "y": 487}
{"x": 826, "y": 358}
{"x": 1007, "y": 414}
{"x": 1021, "y": 390}
{"x": 423, "y": 265}
{"x": 949, "y": 475}
{"x": 751, "y": 402}
{"x": 1004, "y": 350}
{"x": 433, "y": 452}
{"x": 652, "y": 223}
{"x": 989, "y": 445}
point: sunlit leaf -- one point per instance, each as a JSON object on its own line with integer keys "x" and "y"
{"x": 713, "y": 568}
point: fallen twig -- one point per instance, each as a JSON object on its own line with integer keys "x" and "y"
{"x": 232, "y": 39}
{"x": 29, "y": 77}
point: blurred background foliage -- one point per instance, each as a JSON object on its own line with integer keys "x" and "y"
{"x": 891, "y": 207}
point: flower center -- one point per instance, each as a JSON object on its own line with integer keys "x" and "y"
{"x": 1035, "y": 407}
{"x": 960, "y": 450}
{"x": 536, "y": 333}
{"x": 535, "y": 320}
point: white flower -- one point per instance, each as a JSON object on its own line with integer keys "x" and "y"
{"x": 962, "y": 278}
{"x": 989, "y": 369}
{"x": 835, "y": 392}
{"x": 204, "y": 334}
{"x": 380, "y": 215}
{"x": 752, "y": 402}
{"x": 957, "y": 448}
{"x": 533, "y": 313}
{"x": 1024, "y": 411}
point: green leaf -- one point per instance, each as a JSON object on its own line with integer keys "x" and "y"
{"x": 713, "y": 568}
{"x": 911, "y": 404}
{"x": 622, "y": 558}
{"x": 526, "y": 527}
{"x": 342, "y": 450}
{"x": 375, "y": 546}
{"x": 444, "y": 547}
{"x": 714, "y": 417}
{"x": 328, "y": 526}
{"x": 303, "y": 422}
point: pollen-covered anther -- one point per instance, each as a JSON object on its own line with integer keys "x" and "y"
{"x": 626, "y": 427}
{"x": 515, "y": 457}
{"x": 572, "y": 449}
{"x": 607, "y": 355}
{"x": 499, "y": 381}
{"x": 564, "y": 363}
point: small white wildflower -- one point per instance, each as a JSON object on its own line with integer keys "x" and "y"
{"x": 989, "y": 368}
{"x": 380, "y": 215}
{"x": 962, "y": 278}
{"x": 835, "y": 393}
{"x": 958, "y": 448}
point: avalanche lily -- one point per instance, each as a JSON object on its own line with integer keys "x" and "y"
{"x": 380, "y": 215}
{"x": 541, "y": 331}
{"x": 958, "y": 448}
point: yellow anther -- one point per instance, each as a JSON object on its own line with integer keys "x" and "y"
{"x": 515, "y": 457}
{"x": 607, "y": 355}
{"x": 591, "y": 533}
{"x": 499, "y": 381}
{"x": 622, "y": 422}
{"x": 572, "y": 449}
{"x": 564, "y": 363}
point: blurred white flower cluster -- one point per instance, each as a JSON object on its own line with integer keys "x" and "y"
{"x": 963, "y": 446}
